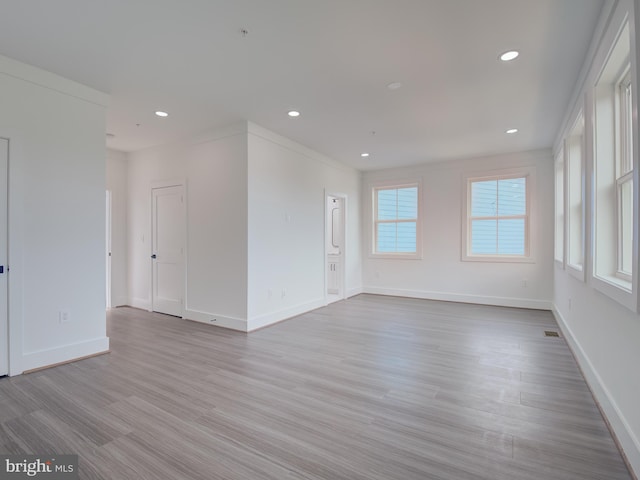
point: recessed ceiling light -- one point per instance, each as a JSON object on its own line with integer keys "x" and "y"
{"x": 293, "y": 113}
{"x": 510, "y": 55}
{"x": 512, "y": 130}
{"x": 394, "y": 85}
{"x": 162, "y": 114}
{"x": 364, "y": 155}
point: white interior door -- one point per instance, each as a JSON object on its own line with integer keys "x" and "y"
{"x": 168, "y": 233}
{"x": 4, "y": 327}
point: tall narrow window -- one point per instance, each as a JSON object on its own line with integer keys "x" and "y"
{"x": 624, "y": 178}
{"x": 559, "y": 207}
{"x": 614, "y": 215}
{"x": 396, "y": 220}
{"x": 497, "y": 225}
{"x": 575, "y": 195}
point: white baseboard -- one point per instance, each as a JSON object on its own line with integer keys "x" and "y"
{"x": 625, "y": 436}
{"x": 141, "y": 303}
{"x": 462, "y": 298}
{"x": 217, "y": 320}
{"x": 53, "y": 356}
{"x": 352, "y": 292}
{"x": 270, "y": 318}
{"x": 120, "y": 302}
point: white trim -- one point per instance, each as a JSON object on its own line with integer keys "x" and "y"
{"x": 235, "y": 129}
{"x": 15, "y": 253}
{"x": 108, "y": 257}
{"x": 51, "y": 81}
{"x": 120, "y": 302}
{"x": 576, "y": 271}
{"x": 53, "y": 356}
{"x": 577, "y": 132}
{"x": 141, "y": 303}
{"x": 216, "y": 320}
{"x": 391, "y": 184}
{"x": 352, "y": 292}
{"x": 615, "y": 59}
{"x": 612, "y": 288}
{"x": 529, "y": 173}
{"x": 172, "y": 182}
{"x": 462, "y": 298}
{"x": 627, "y": 440}
{"x": 270, "y": 318}
{"x": 559, "y": 167}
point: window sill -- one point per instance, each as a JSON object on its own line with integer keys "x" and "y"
{"x": 616, "y": 282}
{"x": 617, "y": 289}
{"x": 497, "y": 259}
{"x": 576, "y": 271}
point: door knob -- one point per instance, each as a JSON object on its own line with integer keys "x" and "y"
{"x": 153, "y": 256}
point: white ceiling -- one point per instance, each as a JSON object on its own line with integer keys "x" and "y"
{"x": 330, "y": 59}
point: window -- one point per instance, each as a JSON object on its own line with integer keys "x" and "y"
{"x": 575, "y": 195}
{"x": 624, "y": 178}
{"x": 559, "y": 207}
{"x": 613, "y": 218}
{"x": 396, "y": 224}
{"x": 498, "y": 218}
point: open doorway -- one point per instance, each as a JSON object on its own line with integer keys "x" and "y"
{"x": 335, "y": 211}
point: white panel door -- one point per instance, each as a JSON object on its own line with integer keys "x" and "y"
{"x": 168, "y": 224}
{"x": 4, "y": 327}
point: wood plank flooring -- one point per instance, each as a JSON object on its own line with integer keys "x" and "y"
{"x": 374, "y": 388}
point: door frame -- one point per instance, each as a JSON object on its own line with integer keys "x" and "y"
{"x": 325, "y": 258}
{"x": 176, "y": 182}
{"x": 15, "y": 248}
{"x": 108, "y": 228}
{"x": 5, "y": 346}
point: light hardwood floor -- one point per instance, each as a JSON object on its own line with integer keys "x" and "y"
{"x": 373, "y": 388}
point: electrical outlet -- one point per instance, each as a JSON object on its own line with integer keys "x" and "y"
{"x": 569, "y": 304}
{"x": 524, "y": 282}
{"x": 64, "y": 316}
{"x": 284, "y": 292}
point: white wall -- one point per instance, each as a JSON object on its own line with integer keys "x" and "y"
{"x": 441, "y": 274}
{"x": 57, "y": 223}
{"x": 287, "y": 184}
{"x": 117, "y": 185}
{"x": 603, "y": 334}
{"x": 214, "y": 170}
{"x": 242, "y": 184}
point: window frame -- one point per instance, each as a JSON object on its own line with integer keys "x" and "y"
{"x": 624, "y": 165}
{"x": 395, "y": 185}
{"x": 559, "y": 245}
{"x": 575, "y": 173}
{"x": 524, "y": 172}
{"x": 614, "y": 57}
